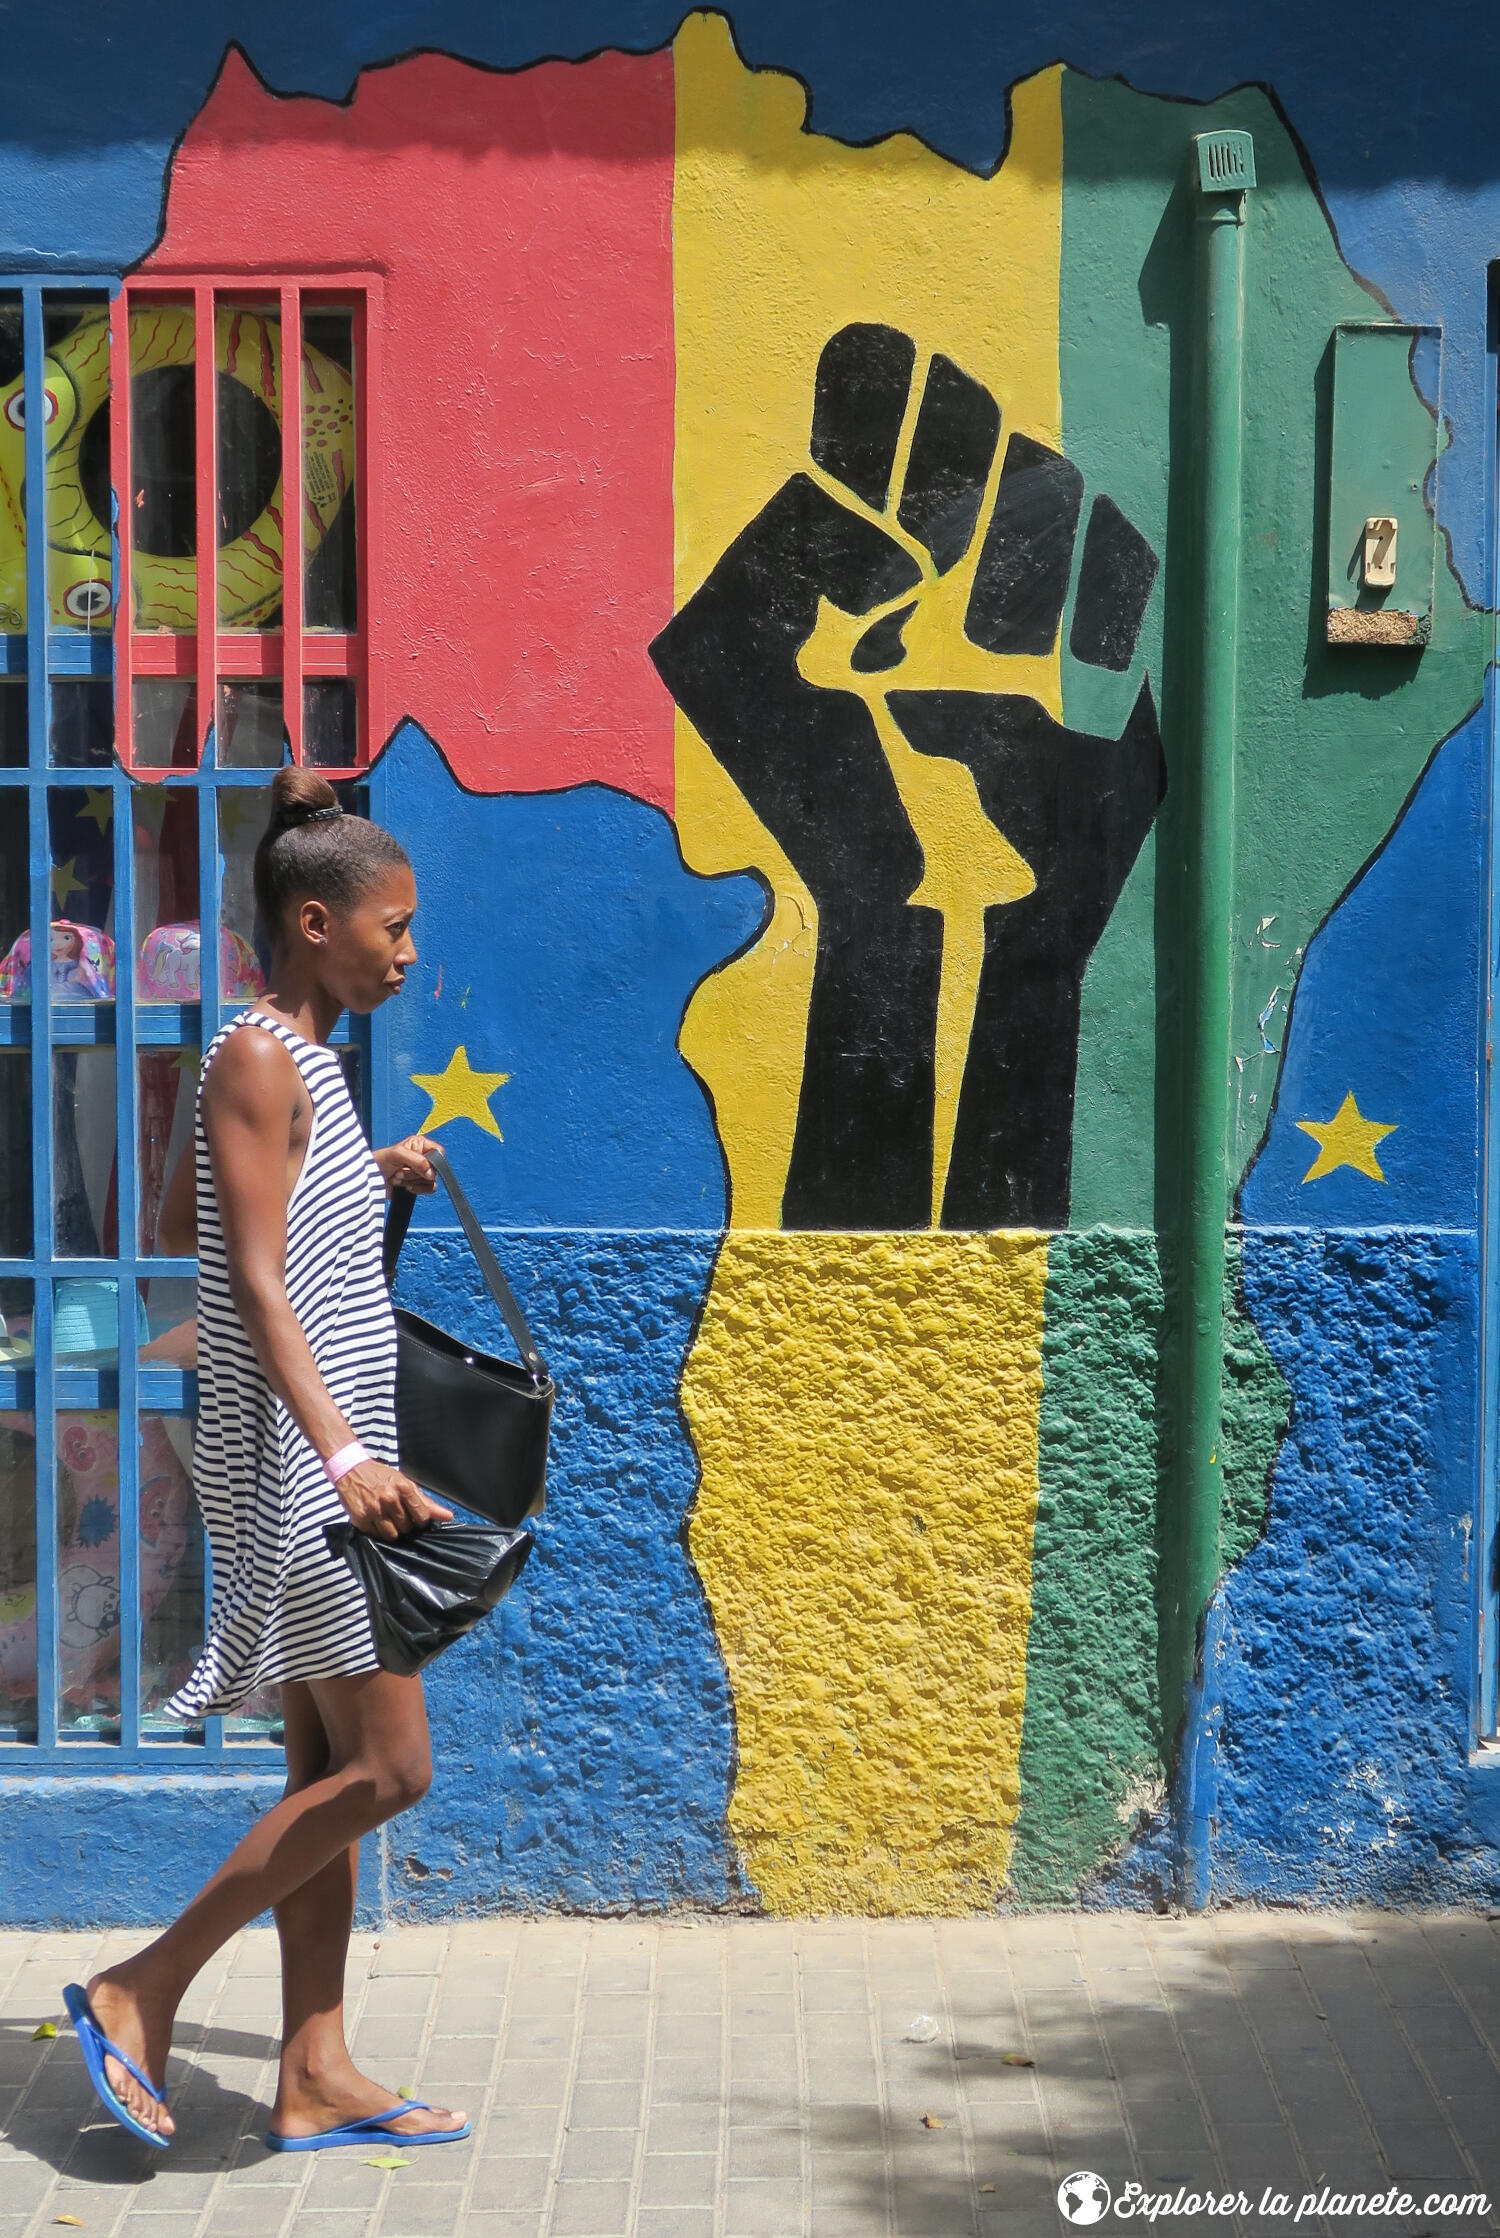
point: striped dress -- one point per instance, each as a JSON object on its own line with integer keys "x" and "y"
{"x": 283, "y": 1607}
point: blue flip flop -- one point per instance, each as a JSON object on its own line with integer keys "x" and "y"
{"x": 375, "y": 2129}
{"x": 96, "y": 2048}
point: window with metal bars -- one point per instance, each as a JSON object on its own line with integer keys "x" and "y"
{"x": 136, "y": 748}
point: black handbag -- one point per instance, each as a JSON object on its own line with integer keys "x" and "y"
{"x": 471, "y": 1428}
{"x": 427, "y": 1589}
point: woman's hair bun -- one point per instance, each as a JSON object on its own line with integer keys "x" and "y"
{"x": 314, "y": 848}
{"x": 296, "y": 795}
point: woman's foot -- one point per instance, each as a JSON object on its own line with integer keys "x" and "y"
{"x": 307, "y": 2105}
{"x": 142, "y": 2027}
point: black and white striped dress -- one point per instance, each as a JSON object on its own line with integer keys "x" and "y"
{"x": 283, "y": 1607}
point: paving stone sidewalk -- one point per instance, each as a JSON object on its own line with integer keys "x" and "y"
{"x": 833, "y": 2079}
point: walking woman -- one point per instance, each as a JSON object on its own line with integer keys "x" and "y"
{"x": 296, "y": 1429}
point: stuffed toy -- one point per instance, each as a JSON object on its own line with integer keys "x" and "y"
{"x": 83, "y": 964}
{"x": 170, "y": 967}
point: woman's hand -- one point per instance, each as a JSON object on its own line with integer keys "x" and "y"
{"x": 384, "y": 1504}
{"x": 405, "y": 1165}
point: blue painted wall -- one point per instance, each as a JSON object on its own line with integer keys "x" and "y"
{"x": 1337, "y": 1703}
{"x": 1344, "y": 1673}
{"x": 584, "y": 1744}
{"x": 1346, "y": 1649}
{"x": 559, "y": 938}
{"x": 1388, "y": 1007}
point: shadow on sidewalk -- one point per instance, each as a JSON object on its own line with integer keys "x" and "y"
{"x": 60, "y": 2122}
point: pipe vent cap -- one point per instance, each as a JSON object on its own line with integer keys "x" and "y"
{"x": 1226, "y": 162}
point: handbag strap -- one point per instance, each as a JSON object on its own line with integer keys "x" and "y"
{"x": 398, "y": 1220}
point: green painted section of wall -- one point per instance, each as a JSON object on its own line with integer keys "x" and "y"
{"x": 1331, "y": 739}
{"x": 1382, "y": 458}
{"x": 1257, "y": 1405}
{"x": 1091, "y": 1758}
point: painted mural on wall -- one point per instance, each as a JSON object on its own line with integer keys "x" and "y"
{"x": 784, "y": 691}
{"x": 956, "y": 957}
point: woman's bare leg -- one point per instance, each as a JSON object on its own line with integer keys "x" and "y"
{"x": 380, "y": 1764}
{"x": 319, "y": 2085}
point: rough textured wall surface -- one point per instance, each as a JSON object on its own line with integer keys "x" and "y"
{"x": 1090, "y": 1746}
{"x": 865, "y": 1409}
{"x": 1092, "y": 1750}
{"x": 79, "y": 1851}
{"x": 1257, "y": 1404}
{"x": 1345, "y": 1674}
{"x": 584, "y": 1742}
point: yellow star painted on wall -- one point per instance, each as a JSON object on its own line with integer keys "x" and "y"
{"x": 99, "y": 807}
{"x": 459, "y": 1092}
{"x": 64, "y": 883}
{"x": 1347, "y": 1139}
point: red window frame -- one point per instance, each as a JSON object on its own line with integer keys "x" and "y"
{"x": 293, "y": 653}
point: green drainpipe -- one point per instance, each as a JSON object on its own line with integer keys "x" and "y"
{"x": 1226, "y": 170}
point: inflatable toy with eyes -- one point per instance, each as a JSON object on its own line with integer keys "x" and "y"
{"x": 247, "y": 350}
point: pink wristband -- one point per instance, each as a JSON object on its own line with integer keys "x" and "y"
{"x": 347, "y": 1457}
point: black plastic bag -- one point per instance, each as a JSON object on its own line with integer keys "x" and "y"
{"x": 429, "y": 1588}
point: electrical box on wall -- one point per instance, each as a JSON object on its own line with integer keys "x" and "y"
{"x": 1382, "y": 538}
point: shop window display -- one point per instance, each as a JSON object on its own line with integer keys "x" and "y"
{"x": 128, "y": 829}
{"x": 88, "y": 1568}
{"x": 269, "y": 653}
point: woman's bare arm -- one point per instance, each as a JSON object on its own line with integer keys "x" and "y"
{"x": 250, "y": 1104}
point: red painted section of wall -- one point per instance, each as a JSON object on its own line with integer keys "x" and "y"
{"x": 521, "y": 554}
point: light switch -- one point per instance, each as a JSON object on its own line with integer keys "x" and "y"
{"x": 1380, "y": 553}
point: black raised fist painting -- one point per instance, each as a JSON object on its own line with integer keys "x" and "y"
{"x": 863, "y": 663}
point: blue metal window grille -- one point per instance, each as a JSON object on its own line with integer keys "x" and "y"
{"x": 47, "y": 1026}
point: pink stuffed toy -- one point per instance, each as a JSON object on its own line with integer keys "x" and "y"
{"x": 170, "y": 966}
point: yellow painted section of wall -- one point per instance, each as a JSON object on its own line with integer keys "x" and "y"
{"x": 865, "y": 1410}
{"x": 780, "y": 238}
